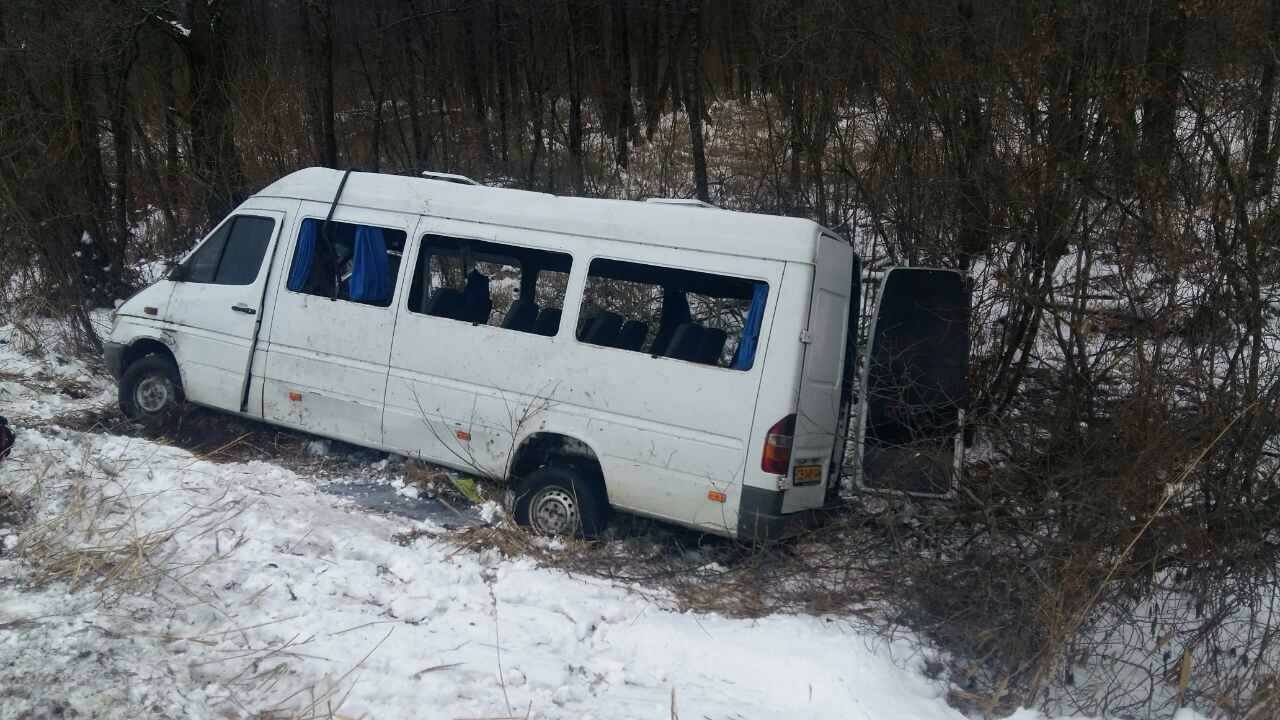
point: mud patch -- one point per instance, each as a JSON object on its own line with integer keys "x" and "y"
{"x": 379, "y": 481}
{"x": 386, "y": 498}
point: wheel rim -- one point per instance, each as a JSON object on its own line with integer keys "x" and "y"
{"x": 554, "y": 511}
{"x": 153, "y": 393}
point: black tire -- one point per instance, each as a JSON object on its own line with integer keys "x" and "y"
{"x": 151, "y": 391}
{"x": 548, "y": 500}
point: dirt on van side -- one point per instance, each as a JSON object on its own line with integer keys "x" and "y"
{"x": 378, "y": 481}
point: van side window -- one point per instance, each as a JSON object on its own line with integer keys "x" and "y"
{"x": 232, "y": 255}
{"x": 664, "y": 312}
{"x": 484, "y": 283}
{"x": 345, "y": 261}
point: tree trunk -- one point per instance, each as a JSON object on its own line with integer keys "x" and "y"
{"x": 317, "y": 44}
{"x": 501, "y": 68}
{"x": 93, "y": 250}
{"x": 693, "y": 100}
{"x": 475, "y": 87}
{"x": 575, "y": 101}
{"x": 169, "y": 97}
{"x": 214, "y": 154}
{"x": 1166, "y": 44}
{"x": 620, "y": 88}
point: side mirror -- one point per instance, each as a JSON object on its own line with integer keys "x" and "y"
{"x": 175, "y": 271}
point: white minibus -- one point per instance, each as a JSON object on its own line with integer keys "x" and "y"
{"x": 672, "y": 360}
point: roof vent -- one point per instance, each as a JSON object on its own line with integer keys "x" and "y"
{"x": 449, "y": 177}
{"x": 687, "y": 202}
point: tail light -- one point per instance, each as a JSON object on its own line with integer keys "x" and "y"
{"x": 776, "y": 458}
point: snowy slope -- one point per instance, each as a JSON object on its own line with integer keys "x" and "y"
{"x": 272, "y": 595}
{"x": 149, "y": 582}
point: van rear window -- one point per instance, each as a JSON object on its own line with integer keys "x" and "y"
{"x": 346, "y": 261}
{"x": 666, "y": 312}
{"x": 485, "y": 283}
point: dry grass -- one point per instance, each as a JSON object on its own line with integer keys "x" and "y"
{"x": 83, "y": 526}
{"x": 92, "y": 533}
{"x": 825, "y": 571}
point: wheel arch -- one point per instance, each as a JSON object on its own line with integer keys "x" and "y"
{"x": 144, "y": 346}
{"x": 549, "y": 447}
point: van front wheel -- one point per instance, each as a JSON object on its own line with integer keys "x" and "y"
{"x": 557, "y": 501}
{"x": 151, "y": 391}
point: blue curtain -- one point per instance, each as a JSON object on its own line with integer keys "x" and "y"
{"x": 303, "y": 257}
{"x": 370, "y": 272}
{"x": 746, "y": 354}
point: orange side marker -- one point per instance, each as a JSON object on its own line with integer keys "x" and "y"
{"x": 716, "y": 496}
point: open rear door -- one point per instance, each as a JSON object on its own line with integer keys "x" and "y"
{"x": 821, "y": 401}
{"x": 915, "y": 386}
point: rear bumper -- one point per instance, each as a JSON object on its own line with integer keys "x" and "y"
{"x": 761, "y": 520}
{"x": 113, "y": 355}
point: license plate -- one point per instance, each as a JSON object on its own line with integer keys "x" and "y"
{"x": 808, "y": 474}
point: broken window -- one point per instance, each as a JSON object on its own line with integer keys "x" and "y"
{"x": 345, "y": 261}
{"x": 233, "y": 254}
{"x": 485, "y": 283}
{"x": 665, "y": 312}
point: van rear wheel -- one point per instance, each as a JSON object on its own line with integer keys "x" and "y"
{"x": 151, "y": 391}
{"x": 561, "y": 502}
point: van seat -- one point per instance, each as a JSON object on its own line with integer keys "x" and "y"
{"x": 684, "y": 342}
{"x": 446, "y": 303}
{"x": 548, "y": 321}
{"x": 710, "y": 346}
{"x": 603, "y": 329}
{"x": 632, "y": 335}
{"x": 476, "y": 303}
{"x": 675, "y": 312}
{"x": 522, "y": 316}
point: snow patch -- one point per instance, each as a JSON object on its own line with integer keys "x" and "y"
{"x": 322, "y": 593}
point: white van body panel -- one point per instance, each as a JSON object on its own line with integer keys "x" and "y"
{"x": 665, "y": 431}
{"x": 674, "y": 439}
{"x": 724, "y": 232}
{"x": 326, "y": 368}
{"x": 217, "y": 325}
{"x": 818, "y": 404}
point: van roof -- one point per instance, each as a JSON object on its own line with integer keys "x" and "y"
{"x": 694, "y": 228}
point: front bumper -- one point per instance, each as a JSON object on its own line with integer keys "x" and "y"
{"x": 113, "y": 355}
{"x": 761, "y": 520}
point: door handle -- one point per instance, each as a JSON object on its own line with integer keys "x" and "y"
{"x": 241, "y": 307}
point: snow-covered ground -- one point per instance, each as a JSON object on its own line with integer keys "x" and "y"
{"x": 148, "y": 582}
{"x": 143, "y": 580}
{"x": 263, "y": 593}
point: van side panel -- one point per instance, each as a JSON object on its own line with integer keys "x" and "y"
{"x": 666, "y": 431}
{"x": 279, "y": 270}
{"x": 327, "y": 359}
{"x": 213, "y": 324}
